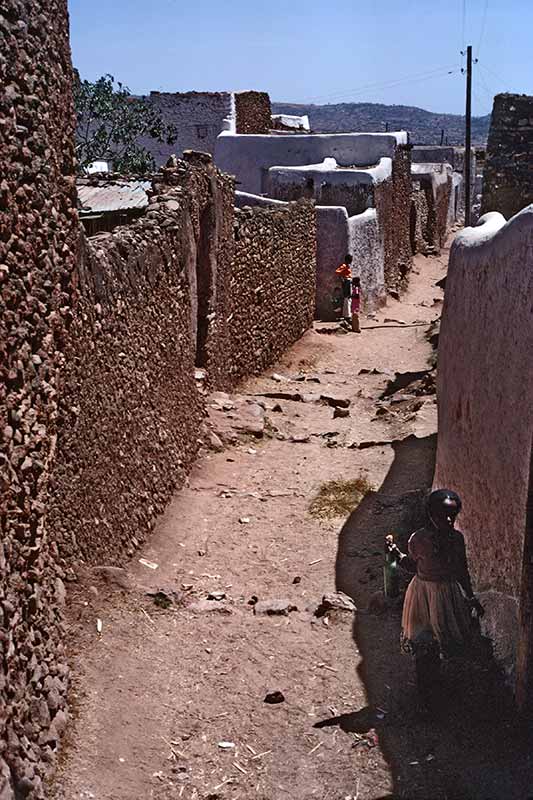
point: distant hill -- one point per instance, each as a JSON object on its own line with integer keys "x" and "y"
{"x": 424, "y": 126}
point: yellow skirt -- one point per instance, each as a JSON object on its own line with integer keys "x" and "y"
{"x": 436, "y": 617}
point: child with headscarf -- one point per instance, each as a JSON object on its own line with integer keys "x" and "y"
{"x": 345, "y": 272}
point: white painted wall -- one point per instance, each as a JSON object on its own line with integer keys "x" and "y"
{"x": 249, "y": 157}
{"x": 291, "y": 121}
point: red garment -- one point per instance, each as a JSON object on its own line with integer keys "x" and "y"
{"x": 356, "y": 300}
{"x": 344, "y": 270}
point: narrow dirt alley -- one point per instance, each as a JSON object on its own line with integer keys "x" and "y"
{"x": 169, "y": 696}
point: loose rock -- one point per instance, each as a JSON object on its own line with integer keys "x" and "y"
{"x": 206, "y": 606}
{"x": 335, "y": 601}
{"x": 273, "y": 698}
{"x": 115, "y": 576}
{"x": 341, "y": 412}
{"x": 274, "y": 607}
{"x": 216, "y": 443}
{"x": 336, "y": 402}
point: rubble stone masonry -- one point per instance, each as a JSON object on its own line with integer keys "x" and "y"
{"x": 253, "y": 113}
{"x": 100, "y": 338}
{"x": 508, "y": 173}
{"x": 131, "y": 413}
{"x": 38, "y": 253}
{"x": 393, "y": 201}
{"x": 272, "y": 283}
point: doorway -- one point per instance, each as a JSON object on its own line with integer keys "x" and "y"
{"x": 204, "y": 283}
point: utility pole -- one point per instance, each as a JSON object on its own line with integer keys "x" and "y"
{"x": 468, "y": 137}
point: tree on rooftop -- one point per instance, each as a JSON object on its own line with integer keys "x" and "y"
{"x": 110, "y": 122}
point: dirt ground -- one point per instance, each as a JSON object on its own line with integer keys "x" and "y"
{"x": 169, "y": 702}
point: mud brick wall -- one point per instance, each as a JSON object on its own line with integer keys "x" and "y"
{"x": 253, "y": 113}
{"x": 393, "y": 204}
{"x": 508, "y": 173}
{"x": 132, "y": 413}
{"x": 484, "y": 446}
{"x": 419, "y": 220}
{"x": 272, "y": 283}
{"x": 38, "y": 251}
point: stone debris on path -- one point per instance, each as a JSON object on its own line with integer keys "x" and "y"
{"x": 238, "y": 553}
{"x": 274, "y": 607}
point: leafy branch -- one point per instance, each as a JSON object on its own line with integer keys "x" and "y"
{"x": 110, "y": 122}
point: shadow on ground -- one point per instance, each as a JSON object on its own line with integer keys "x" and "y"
{"x": 473, "y": 748}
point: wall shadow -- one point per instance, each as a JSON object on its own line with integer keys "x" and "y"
{"x": 473, "y": 748}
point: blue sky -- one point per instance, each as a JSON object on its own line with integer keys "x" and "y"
{"x": 310, "y": 51}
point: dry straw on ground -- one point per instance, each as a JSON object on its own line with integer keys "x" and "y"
{"x": 339, "y": 498}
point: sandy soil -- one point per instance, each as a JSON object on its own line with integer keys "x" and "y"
{"x": 158, "y": 691}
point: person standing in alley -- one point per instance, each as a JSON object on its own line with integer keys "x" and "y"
{"x": 345, "y": 272}
{"x": 437, "y": 617}
{"x": 356, "y": 303}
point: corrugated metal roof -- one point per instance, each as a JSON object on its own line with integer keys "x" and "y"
{"x": 113, "y": 196}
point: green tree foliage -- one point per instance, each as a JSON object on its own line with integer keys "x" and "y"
{"x": 110, "y": 123}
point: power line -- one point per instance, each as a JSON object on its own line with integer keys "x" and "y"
{"x": 344, "y": 91}
{"x": 463, "y": 29}
{"x": 485, "y": 10}
{"x": 438, "y": 72}
{"x": 379, "y": 84}
{"x": 483, "y": 85}
{"x": 481, "y": 102}
{"x": 494, "y": 75}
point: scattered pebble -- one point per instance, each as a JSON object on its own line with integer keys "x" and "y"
{"x": 273, "y": 698}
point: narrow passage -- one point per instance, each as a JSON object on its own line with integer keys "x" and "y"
{"x": 169, "y": 698}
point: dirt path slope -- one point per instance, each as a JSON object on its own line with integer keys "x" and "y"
{"x": 169, "y": 698}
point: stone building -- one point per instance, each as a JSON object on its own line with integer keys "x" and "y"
{"x": 436, "y": 191}
{"x": 485, "y": 384}
{"x": 362, "y": 186}
{"x": 508, "y": 173}
{"x": 199, "y": 117}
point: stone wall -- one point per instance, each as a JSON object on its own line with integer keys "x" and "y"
{"x": 419, "y": 220}
{"x": 129, "y": 429}
{"x": 211, "y": 201}
{"x": 393, "y": 203}
{"x": 508, "y": 173}
{"x": 336, "y": 235}
{"x": 432, "y": 202}
{"x": 272, "y": 283}
{"x": 485, "y": 385}
{"x": 38, "y": 252}
{"x": 99, "y": 341}
{"x": 439, "y": 216}
{"x": 198, "y": 117}
{"x": 253, "y": 113}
